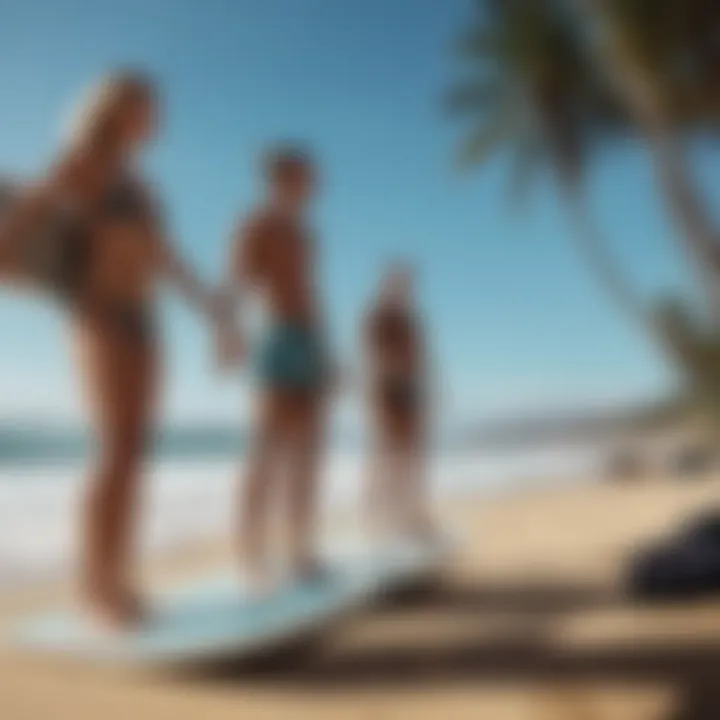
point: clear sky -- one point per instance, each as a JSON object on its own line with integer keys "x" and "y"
{"x": 516, "y": 320}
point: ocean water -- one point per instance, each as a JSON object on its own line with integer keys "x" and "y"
{"x": 191, "y": 499}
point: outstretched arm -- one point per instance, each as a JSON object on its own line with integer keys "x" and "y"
{"x": 243, "y": 268}
{"x": 246, "y": 260}
{"x": 183, "y": 279}
{"x": 172, "y": 267}
{"x": 210, "y": 302}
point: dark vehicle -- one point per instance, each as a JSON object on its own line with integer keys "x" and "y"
{"x": 687, "y": 565}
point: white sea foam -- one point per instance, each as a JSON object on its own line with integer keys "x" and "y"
{"x": 187, "y": 502}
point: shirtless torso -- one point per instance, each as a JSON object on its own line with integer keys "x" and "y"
{"x": 276, "y": 254}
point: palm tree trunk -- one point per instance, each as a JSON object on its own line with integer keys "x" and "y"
{"x": 691, "y": 219}
{"x": 593, "y": 250}
{"x": 641, "y": 96}
{"x": 679, "y": 351}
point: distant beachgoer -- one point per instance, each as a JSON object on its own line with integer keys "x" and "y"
{"x": 90, "y": 234}
{"x": 274, "y": 255}
{"x": 397, "y": 378}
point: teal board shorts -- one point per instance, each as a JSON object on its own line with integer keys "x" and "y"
{"x": 292, "y": 358}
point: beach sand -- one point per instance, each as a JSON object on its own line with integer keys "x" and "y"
{"x": 528, "y": 623}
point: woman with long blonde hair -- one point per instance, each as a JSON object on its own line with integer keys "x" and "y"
{"x": 91, "y": 234}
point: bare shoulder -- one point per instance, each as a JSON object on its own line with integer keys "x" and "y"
{"x": 260, "y": 223}
{"x": 252, "y": 236}
{"x": 259, "y": 229}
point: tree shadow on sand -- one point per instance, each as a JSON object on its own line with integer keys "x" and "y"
{"x": 519, "y": 655}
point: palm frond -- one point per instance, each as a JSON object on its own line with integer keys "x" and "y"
{"x": 477, "y": 43}
{"x": 484, "y": 141}
{"x": 524, "y": 167}
{"x": 539, "y": 100}
{"x": 474, "y": 96}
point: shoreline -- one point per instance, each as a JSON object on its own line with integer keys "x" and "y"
{"x": 185, "y": 503}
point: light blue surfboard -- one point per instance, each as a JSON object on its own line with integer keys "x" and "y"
{"x": 212, "y": 618}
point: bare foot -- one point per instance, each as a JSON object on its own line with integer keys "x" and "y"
{"x": 111, "y": 614}
{"x": 310, "y": 570}
{"x": 135, "y": 607}
{"x": 425, "y": 532}
{"x": 256, "y": 583}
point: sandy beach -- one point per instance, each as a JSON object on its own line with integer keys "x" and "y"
{"x": 528, "y": 623}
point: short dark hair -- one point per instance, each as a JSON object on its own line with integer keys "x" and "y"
{"x": 284, "y": 160}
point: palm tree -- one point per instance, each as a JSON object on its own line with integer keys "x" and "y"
{"x": 663, "y": 60}
{"x": 532, "y": 92}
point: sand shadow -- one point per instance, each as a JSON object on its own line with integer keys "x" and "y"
{"x": 535, "y": 599}
{"x": 303, "y": 660}
{"x": 516, "y": 655}
{"x": 699, "y": 699}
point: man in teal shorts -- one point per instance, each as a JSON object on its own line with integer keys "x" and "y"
{"x": 273, "y": 255}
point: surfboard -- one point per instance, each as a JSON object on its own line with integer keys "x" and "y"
{"x": 213, "y": 617}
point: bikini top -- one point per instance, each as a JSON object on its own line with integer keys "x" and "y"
{"x": 125, "y": 202}
{"x": 61, "y": 255}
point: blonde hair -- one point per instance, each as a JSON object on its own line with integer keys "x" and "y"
{"x": 95, "y": 118}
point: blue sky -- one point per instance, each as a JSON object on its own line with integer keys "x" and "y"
{"x": 516, "y": 321}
